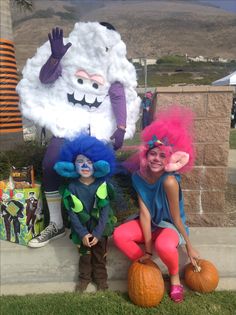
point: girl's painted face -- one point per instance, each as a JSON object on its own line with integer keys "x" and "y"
{"x": 156, "y": 160}
{"x": 84, "y": 167}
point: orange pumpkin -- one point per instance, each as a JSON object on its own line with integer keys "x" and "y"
{"x": 203, "y": 278}
{"x": 145, "y": 284}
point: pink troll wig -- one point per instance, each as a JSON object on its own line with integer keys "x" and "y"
{"x": 171, "y": 131}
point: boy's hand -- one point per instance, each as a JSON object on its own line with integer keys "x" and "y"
{"x": 93, "y": 241}
{"x": 85, "y": 240}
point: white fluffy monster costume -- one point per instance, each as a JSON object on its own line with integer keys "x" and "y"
{"x": 70, "y": 105}
{"x": 80, "y": 84}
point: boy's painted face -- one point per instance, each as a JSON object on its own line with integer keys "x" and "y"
{"x": 84, "y": 166}
{"x": 156, "y": 159}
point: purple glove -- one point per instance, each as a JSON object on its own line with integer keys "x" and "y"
{"x": 56, "y": 41}
{"x": 118, "y": 135}
{"x": 51, "y": 70}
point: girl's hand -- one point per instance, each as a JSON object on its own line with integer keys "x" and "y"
{"x": 85, "y": 240}
{"x": 94, "y": 241}
{"x": 193, "y": 255}
{"x": 145, "y": 257}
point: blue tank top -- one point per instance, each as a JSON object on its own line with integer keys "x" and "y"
{"x": 155, "y": 199}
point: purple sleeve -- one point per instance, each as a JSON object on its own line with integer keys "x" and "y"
{"x": 50, "y": 71}
{"x": 118, "y": 102}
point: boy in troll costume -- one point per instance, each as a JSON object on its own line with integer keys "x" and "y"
{"x": 83, "y": 83}
{"x": 88, "y": 162}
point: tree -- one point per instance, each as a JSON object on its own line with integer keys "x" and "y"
{"x": 11, "y": 129}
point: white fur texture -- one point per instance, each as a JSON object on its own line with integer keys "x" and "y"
{"x": 47, "y": 104}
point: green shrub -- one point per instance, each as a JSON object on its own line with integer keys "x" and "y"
{"x": 177, "y": 60}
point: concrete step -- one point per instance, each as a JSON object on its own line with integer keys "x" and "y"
{"x": 54, "y": 268}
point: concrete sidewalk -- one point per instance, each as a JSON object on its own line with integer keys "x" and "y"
{"x": 54, "y": 268}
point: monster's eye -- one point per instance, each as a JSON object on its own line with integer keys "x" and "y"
{"x": 80, "y": 81}
{"x": 95, "y": 85}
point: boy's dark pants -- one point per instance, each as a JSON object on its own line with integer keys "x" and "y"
{"x": 92, "y": 266}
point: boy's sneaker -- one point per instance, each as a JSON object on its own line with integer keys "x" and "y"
{"x": 51, "y": 232}
{"x": 81, "y": 286}
{"x": 102, "y": 285}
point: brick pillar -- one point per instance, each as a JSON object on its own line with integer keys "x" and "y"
{"x": 204, "y": 187}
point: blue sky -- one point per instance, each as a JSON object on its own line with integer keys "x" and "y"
{"x": 228, "y": 5}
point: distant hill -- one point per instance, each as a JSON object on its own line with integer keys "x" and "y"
{"x": 149, "y": 28}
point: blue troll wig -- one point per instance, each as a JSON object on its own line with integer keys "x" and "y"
{"x": 97, "y": 151}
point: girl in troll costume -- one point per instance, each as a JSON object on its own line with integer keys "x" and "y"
{"x": 166, "y": 150}
{"x": 80, "y": 84}
{"x": 88, "y": 162}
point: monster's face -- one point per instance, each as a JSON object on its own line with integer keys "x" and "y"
{"x": 90, "y": 91}
{"x": 92, "y": 55}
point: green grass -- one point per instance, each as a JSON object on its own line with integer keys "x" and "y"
{"x": 232, "y": 139}
{"x": 112, "y": 303}
{"x": 172, "y": 59}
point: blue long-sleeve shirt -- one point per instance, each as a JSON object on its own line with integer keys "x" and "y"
{"x": 86, "y": 194}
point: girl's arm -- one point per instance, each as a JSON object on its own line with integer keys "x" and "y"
{"x": 171, "y": 187}
{"x": 145, "y": 221}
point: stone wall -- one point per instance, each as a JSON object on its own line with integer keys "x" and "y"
{"x": 204, "y": 187}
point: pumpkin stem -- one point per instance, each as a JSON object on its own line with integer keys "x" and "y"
{"x": 197, "y": 268}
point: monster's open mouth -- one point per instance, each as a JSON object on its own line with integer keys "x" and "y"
{"x": 82, "y": 102}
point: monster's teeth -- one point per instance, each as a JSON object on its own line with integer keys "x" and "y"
{"x": 78, "y": 96}
{"x": 90, "y": 98}
{"x": 100, "y": 98}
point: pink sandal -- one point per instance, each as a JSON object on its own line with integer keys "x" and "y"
{"x": 177, "y": 293}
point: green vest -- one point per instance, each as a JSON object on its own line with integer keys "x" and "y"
{"x": 104, "y": 194}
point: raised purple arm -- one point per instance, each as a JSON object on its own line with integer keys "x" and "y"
{"x": 51, "y": 70}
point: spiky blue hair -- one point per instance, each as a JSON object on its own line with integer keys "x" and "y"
{"x": 89, "y": 146}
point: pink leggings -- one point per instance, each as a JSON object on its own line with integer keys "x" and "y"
{"x": 166, "y": 240}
